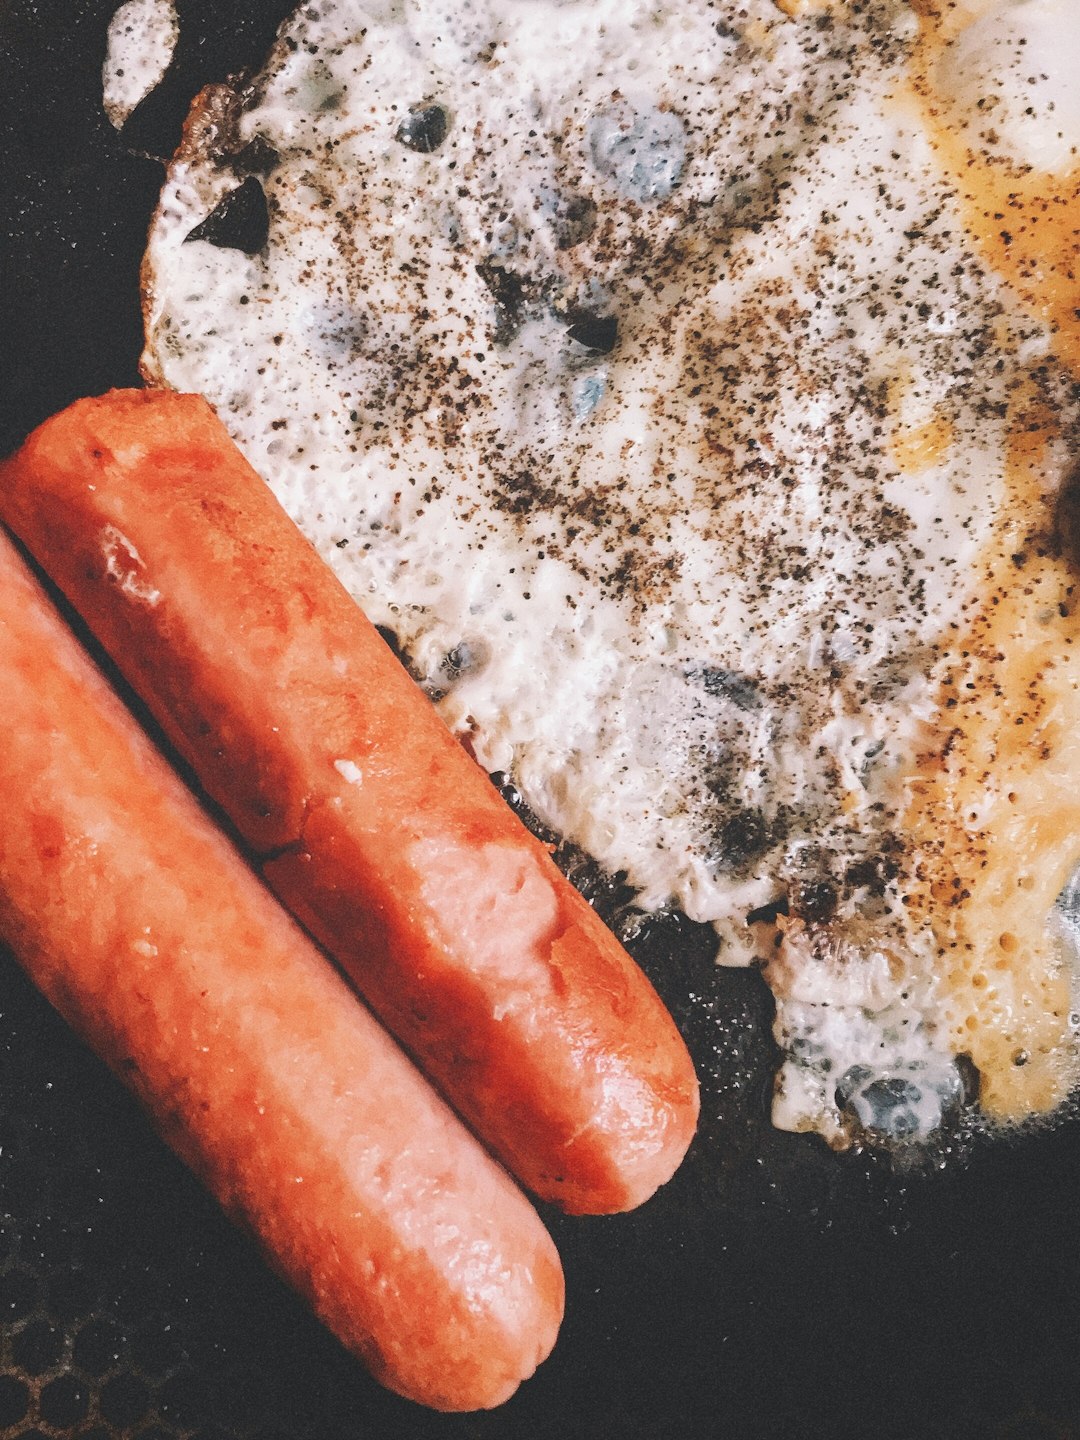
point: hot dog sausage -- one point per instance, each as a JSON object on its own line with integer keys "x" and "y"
{"x": 258, "y": 1064}
{"x": 372, "y": 824}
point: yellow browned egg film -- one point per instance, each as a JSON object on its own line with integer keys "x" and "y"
{"x": 995, "y": 804}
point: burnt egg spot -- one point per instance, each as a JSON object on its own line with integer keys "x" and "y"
{"x": 424, "y": 128}
{"x": 969, "y": 1079}
{"x": 239, "y": 221}
{"x": 814, "y": 899}
{"x": 874, "y": 873}
{"x": 741, "y": 837}
{"x": 319, "y": 90}
{"x": 727, "y": 685}
{"x": 507, "y": 290}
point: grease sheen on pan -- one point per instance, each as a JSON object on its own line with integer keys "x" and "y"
{"x": 660, "y": 375}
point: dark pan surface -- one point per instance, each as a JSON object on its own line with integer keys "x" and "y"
{"x": 772, "y": 1290}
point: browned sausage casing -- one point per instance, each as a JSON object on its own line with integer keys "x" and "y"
{"x": 373, "y": 825}
{"x": 259, "y": 1065}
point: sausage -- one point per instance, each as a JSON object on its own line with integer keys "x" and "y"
{"x": 367, "y": 818}
{"x": 260, "y": 1067}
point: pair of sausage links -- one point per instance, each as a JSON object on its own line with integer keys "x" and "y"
{"x": 374, "y": 826}
{"x": 152, "y": 937}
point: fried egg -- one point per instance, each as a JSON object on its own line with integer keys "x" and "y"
{"x": 692, "y": 390}
{"x": 139, "y": 46}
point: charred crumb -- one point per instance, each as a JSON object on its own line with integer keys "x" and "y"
{"x": 213, "y": 127}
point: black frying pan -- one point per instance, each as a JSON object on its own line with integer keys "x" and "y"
{"x": 771, "y": 1290}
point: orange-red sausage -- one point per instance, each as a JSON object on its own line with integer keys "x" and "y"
{"x": 373, "y": 825}
{"x": 260, "y": 1067}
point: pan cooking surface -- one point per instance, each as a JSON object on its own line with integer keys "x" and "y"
{"x": 772, "y": 1289}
